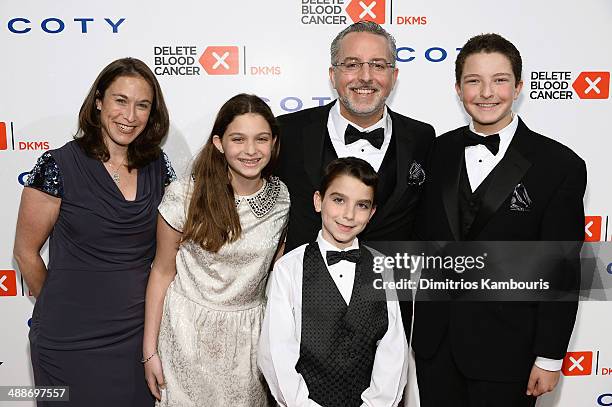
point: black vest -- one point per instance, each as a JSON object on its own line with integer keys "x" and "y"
{"x": 338, "y": 341}
{"x": 470, "y": 202}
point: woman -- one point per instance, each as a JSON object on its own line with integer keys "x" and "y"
{"x": 218, "y": 233}
{"x": 96, "y": 199}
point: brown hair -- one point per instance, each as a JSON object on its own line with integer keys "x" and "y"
{"x": 212, "y": 218}
{"x": 489, "y": 43}
{"x": 353, "y": 167}
{"x": 145, "y": 148}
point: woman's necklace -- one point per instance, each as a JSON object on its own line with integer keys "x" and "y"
{"x": 115, "y": 172}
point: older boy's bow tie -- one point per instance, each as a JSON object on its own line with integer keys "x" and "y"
{"x": 375, "y": 137}
{"x": 491, "y": 142}
{"x": 334, "y": 257}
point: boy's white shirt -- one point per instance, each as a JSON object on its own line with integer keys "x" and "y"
{"x": 479, "y": 161}
{"x": 279, "y": 343}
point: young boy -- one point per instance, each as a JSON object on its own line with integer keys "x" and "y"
{"x": 327, "y": 338}
{"x": 496, "y": 180}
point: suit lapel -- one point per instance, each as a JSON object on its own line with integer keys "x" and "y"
{"x": 506, "y": 175}
{"x": 314, "y": 134}
{"x": 401, "y": 136}
{"x": 450, "y": 173}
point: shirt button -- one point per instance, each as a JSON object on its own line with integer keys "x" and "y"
{"x": 362, "y": 150}
{"x": 340, "y": 275}
{"x": 479, "y": 161}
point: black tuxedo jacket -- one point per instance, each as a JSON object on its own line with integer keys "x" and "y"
{"x": 500, "y": 341}
{"x": 303, "y": 137}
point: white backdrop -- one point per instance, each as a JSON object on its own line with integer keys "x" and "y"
{"x": 279, "y": 49}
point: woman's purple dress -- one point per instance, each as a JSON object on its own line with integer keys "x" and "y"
{"x": 87, "y": 324}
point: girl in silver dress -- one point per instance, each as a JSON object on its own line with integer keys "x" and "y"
{"x": 218, "y": 233}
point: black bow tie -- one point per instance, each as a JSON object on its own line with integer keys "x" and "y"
{"x": 491, "y": 142}
{"x": 375, "y": 137}
{"x": 334, "y": 257}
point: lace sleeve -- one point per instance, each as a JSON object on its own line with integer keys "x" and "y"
{"x": 169, "y": 174}
{"x": 46, "y": 176}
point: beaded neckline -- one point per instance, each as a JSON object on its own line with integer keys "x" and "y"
{"x": 262, "y": 202}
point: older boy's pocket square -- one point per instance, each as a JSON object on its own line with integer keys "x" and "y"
{"x": 416, "y": 174}
{"x": 520, "y": 199}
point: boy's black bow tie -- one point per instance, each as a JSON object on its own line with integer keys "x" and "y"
{"x": 334, "y": 257}
{"x": 490, "y": 142}
{"x": 374, "y": 137}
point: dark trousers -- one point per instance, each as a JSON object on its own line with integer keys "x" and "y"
{"x": 441, "y": 384}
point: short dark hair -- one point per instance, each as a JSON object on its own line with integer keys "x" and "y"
{"x": 353, "y": 167}
{"x": 363, "y": 27}
{"x": 489, "y": 43}
{"x": 146, "y": 147}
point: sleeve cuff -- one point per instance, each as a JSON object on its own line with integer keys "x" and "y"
{"x": 552, "y": 365}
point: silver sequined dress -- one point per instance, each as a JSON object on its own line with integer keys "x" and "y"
{"x": 213, "y": 309}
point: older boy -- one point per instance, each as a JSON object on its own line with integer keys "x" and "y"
{"x": 496, "y": 180}
{"x": 328, "y": 339}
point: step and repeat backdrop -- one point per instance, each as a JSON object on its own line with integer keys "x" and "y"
{"x": 205, "y": 52}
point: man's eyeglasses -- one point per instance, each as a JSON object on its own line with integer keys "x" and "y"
{"x": 355, "y": 66}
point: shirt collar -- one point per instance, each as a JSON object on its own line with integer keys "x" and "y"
{"x": 341, "y": 123}
{"x": 505, "y": 135}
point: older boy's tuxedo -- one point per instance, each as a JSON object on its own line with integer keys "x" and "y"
{"x": 534, "y": 193}
{"x": 306, "y": 150}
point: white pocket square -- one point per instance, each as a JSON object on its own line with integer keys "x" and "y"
{"x": 520, "y": 201}
{"x": 416, "y": 174}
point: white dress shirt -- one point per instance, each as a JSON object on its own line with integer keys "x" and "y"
{"x": 336, "y": 126}
{"x": 279, "y": 343}
{"x": 479, "y": 162}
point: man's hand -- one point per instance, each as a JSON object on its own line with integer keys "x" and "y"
{"x": 541, "y": 381}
